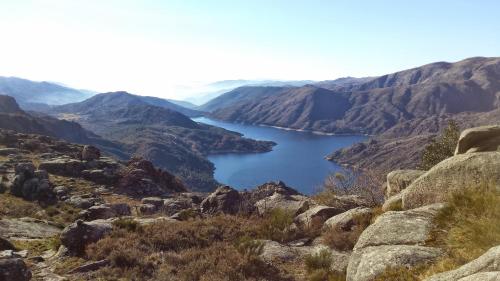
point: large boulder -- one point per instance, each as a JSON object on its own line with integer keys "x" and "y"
{"x": 482, "y": 268}
{"x": 27, "y": 228}
{"x": 316, "y": 216}
{"x": 399, "y": 180}
{"x": 395, "y": 239}
{"x": 294, "y": 204}
{"x": 223, "y": 200}
{"x": 14, "y": 269}
{"x": 90, "y": 153}
{"x": 78, "y": 235}
{"x": 453, "y": 174}
{"x": 268, "y": 189}
{"x": 479, "y": 139}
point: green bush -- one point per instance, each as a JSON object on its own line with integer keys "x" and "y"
{"x": 276, "y": 226}
{"x": 318, "y": 267}
{"x": 441, "y": 148}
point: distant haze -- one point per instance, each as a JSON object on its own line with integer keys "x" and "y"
{"x": 172, "y": 48}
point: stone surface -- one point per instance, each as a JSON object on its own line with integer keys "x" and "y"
{"x": 394, "y": 239}
{"x": 172, "y": 206}
{"x": 394, "y": 203}
{"x": 399, "y": 180}
{"x": 410, "y": 227}
{"x": 106, "y": 211}
{"x": 147, "y": 209}
{"x": 295, "y": 204}
{"x": 14, "y": 269}
{"x": 156, "y": 201}
{"x": 63, "y": 166}
{"x": 78, "y": 235}
{"x": 368, "y": 263}
{"x": 453, "y": 174}
{"x": 483, "y": 276}
{"x": 347, "y": 220}
{"x": 223, "y": 200}
{"x": 479, "y": 139}
{"x": 28, "y": 228}
{"x": 316, "y": 216}
{"x": 488, "y": 262}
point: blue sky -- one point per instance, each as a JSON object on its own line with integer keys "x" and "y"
{"x": 155, "y": 47}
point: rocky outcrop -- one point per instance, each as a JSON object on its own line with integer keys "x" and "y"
{"x": 223, "y": 200}
{"x": 399, "y": 180}
{"x": 14, "y": 269}
{"x": 456, "y": 173}
{"x": 78, "y": 235}
{"x": 347, "y": 221}
{"x": 106, "y": 211}
{"x": 316, "y": 216}
{"x": 64, "y": 166}
{"x": 141, "y": 179}
{"x": 479, "y": 139}
{"x": 30, "y": 184}
{"x": 27, "y": 228}
{"x": 394, "y": 239}
{"x": 294, "y": 204}
{"x": 483, "y": 268}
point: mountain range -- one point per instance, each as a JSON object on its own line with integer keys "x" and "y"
{"x": 396, "y": 108}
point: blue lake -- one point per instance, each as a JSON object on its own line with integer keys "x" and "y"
{"x": 297, "y": 159}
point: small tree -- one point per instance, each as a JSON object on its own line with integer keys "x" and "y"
{"x": 441, "y": 147}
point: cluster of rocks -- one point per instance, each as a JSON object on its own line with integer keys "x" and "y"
{"x": 31, "y": 184}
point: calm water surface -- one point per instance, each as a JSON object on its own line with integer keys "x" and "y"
{"x": 297, "y": 159}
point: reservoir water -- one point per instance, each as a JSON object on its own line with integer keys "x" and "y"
{"x": 297, "y": 159}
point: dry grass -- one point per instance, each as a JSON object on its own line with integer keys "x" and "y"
{"x": 318, "y": 267}
{"x": 36, "y": 247}
{"x": 345, "y": 239}
{"x": 217, "y": 248}
{"x": 15, "y": 207}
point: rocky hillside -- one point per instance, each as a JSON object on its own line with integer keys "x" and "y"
{"x": 13, "y": 118}
{"x": 166, "y": 137}
{"x": 67, "y": 213}
{"x": 373, "y": 107}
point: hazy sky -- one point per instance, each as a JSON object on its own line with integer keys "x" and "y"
{"x": 154, "y": 47}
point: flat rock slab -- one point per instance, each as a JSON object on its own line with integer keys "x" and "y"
{"x": 367, "y": 264}
{"x": 27, "y": 228}
{"x": 410, "y": 227}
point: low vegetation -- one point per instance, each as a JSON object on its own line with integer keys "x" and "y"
{"x": 318, "y": 267}
{"x": 367, "y": 184}
{"x": 441, "y": 148}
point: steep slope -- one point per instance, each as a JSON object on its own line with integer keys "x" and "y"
{"x": 168, "y": 138}
{"x": 373, "y": 107}
{"x": 26, "y": 91}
